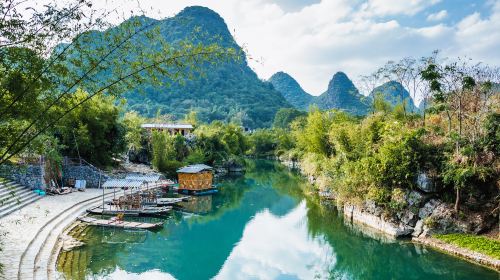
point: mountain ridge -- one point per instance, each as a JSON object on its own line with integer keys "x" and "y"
{"x": 291, "y": 90}
{"x": 228, "y": 90}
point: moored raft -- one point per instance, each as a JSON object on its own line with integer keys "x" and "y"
{"x": 119, "y": 224}
{"x": 144, "y": 211}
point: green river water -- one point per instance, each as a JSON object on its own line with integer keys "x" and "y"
{"x": 260, "y": 226}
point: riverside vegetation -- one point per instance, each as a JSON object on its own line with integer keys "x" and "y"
{"x": 380, "y": 162}
{"x": 75, "y": 99}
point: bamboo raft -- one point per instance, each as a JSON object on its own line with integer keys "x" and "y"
{"x": 171, "y": 200}
{"x": 119, "y": 224}
{"x": 144, "y": 211}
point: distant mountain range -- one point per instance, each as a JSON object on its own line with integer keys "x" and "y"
{"x": 231, "y": 91}
{"x": 341, "y": 94}
{"x": 228, "y": 91}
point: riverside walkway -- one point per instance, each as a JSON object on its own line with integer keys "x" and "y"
{"x": 30, "y": 234}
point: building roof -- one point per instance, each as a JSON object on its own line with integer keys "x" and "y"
{"x": 153, "y": 177}
{"x": 167, "y": 126}
{"x": 195, "y": 168}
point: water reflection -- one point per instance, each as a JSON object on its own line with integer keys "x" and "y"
{"x": 259, "y": 226}
{"x": 275, "y": 247}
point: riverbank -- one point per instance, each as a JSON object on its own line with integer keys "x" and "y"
{"x": 423, "y": 216}
{"x": 461, "y": 252}
{"x": 29, "y": 234}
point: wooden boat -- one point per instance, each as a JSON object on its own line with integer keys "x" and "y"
{"x": 119, "y": 224}
{"x": 144, "y": 211}
{"x": 171, "y": 200}
{"x": 213, "y": 190}
{"x": 167, "y": 201}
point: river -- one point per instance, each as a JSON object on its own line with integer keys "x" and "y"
{"x": 260, "y": 226}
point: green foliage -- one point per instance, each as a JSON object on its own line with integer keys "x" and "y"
{"x": 92, "y": 130}
{"x": 285, "y": 116}
{"x": 165, "y": 155}
{"x": 491, "y": 140}
{"x": 219, "y": 141}
{"x": 312, "y": 136}
{"x": 380, "y": 104}
{"x": 481, "y": 244}
{"x": 196, "y": 155}
{"x": 134, "y": 135}
{"x": 263, "y": 143}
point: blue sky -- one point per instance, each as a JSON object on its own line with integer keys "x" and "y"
{"x": 313, "y": 39}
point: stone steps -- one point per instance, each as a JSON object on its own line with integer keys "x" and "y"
{"x": 38, "y": 258}
{"x": 14, "y": 197}
{"x": 9, "y": 187}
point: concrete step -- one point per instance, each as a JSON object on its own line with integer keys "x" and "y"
{"x": 11, "y": 187}
{"x": 7, "y": 209}
{"x": 8, "y": 198}
{"x": 35, "y": 259}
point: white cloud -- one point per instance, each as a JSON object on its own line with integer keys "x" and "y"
{"x": 437, "y": 16}
{"x": 390, "y": 7}
{"x": 265, "y": 253}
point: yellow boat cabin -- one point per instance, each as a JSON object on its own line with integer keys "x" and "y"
{"x": 195, "y": 177}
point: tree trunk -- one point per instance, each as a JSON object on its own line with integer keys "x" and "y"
{"x": 425, "y": 107}
{"x": 457, "y": 200}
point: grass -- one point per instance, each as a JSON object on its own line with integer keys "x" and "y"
{"x": 481, "y": 244}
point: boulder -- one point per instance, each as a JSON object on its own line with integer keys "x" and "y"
{"x": 419, "y": 228}
{"x": 407, "y": 217}
{"x": 428, "y": 208}
{"x": 372, "y": 208}
{"x": 426, "y": 183}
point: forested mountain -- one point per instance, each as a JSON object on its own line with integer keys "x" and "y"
{"x": 228, "y": 90}
{"x": 291, "y": 90}
{"x": 343, "y": 95}
{"x": 394, "y": 93}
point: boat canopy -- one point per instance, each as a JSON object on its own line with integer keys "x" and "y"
{"x": 153, "y": 177}
{"x": 195, "y": 168}
{"x": 122, "y": 183}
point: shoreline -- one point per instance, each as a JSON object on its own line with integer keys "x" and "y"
{"x": 356, "y": 215}
{"x": 462, "y": 253}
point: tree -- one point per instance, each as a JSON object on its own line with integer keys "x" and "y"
{"x": 285, "y": 116}
{"x": 93, "y": 130}
{"x": 134, "y": 136}
{"x": 92, "y": 61}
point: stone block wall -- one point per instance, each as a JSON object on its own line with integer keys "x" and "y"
{"x": 27, "y": 175}
{"x": 84, "y": 172}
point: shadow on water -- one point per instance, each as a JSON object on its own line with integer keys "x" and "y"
{"x": 260, "y": 225}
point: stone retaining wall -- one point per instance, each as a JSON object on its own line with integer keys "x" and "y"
{"x": 27, "y": 175}
{"x": 85, "y": 172}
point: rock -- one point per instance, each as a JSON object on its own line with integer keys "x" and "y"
{"x": 425, "y": 183}
{"x": 311, "y": 179}
{"x": 419, "y": 228}
{"x": 359, "y": 215}
{"x": 428, "y": 208}
{"x": 69, "y": 243}
{"x": 416, "y": 199}
{"x": 407, "y": 217}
